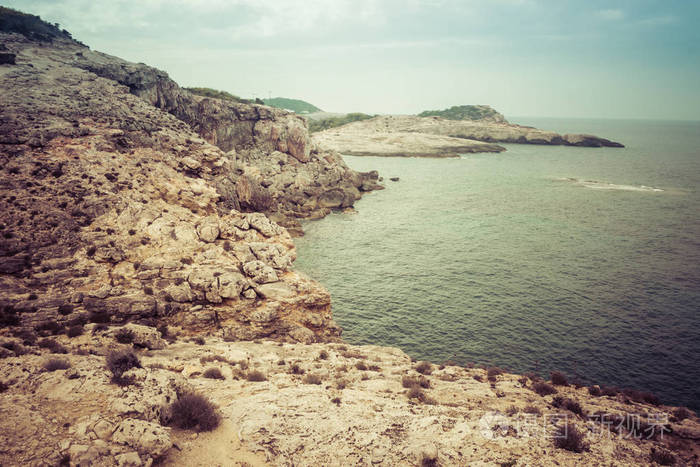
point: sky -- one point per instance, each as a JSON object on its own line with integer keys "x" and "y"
{"x": 560, "y": 58}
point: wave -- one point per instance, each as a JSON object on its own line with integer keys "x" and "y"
{"x": 597, "y": 185}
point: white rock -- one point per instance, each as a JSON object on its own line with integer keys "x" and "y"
{"x": 146, "y": 437}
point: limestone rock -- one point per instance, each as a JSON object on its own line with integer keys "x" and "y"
{"x": 208, "y": 230}
{"x": 146, "y": 437}
{"x": 145, "y": 336}
{"x": 431, "y": 136}
{"x": 274, "y": 290}
{"x": 260, "y": 272}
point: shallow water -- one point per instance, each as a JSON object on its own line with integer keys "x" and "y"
{"x": 539, "y": 258}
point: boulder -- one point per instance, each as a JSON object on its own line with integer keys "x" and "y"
{"x": 260, "y": 272}
{"x": 262, "y": 224}
{"x": 208, "y": 230}
{"x": 272, "y": 254}
{"x": 147, "y": 438}
{"x": 231, "y": 284}
{"x": 144, "y": 336}
{"x": 274, "y": 290}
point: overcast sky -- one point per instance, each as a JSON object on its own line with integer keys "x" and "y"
{"x": 559, "y": 58}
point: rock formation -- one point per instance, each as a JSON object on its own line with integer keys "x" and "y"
{"x": 318, "y": 404}
{"x": 141, "y": 264}
{"x": 124, "y": 195}
{"x": 435, "y": 136}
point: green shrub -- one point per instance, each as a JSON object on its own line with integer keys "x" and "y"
{"x": 333, "y": 122}
{"x": 216, "y": 94}
{"x": 30, "y": 26}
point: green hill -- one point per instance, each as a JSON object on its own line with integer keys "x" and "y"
{"x": 333, "y": 122}
{"x": 466, "y": 112}
{"x": 30, "y": 26}
{"x": 227, "y": 96}
{"x": 295, "y": 105}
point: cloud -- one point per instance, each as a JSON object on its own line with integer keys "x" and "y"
{"x": 611, "y": 15}
{"x": 659, "y": 20}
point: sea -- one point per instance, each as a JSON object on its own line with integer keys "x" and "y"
{"x": 540, "y": 258}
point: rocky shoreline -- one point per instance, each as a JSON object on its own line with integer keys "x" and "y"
{"x": 144, "y": 259}
{"x": 435, "y": 136}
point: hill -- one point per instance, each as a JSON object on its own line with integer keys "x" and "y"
{"x": 467, "y": 112}
{"x": 30, "y": 26}
{"x": 333, "y": 122}
{"x": 295, "y": 105}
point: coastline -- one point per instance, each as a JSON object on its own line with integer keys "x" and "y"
{"x": 142, "y": 272}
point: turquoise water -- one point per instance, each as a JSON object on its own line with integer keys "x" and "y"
{"x": 500, "y": 259}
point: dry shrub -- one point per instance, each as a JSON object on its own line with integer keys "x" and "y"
{"x": 558, "y": 378}
{"x": 52, "y": 346}
{"x": 256, "y": 376}
{"x": 662, "y": 457}
{"x": 570, "y": 438}
{"x": 531, "y": 409}
{"x": 213, "y": 373}
{"x": 56, "y": 364}
{"x": 119, "y": 362}
{"x": 543, "y": 389}
{"x": 424, "y": 368}
{"x": 567, "y": 404}
{"x": 124, "y": 336}
{"x": 194, "y": 411}
{"x": 681, "y": 413}
{"x": 311, "y": 379}
{"x": 409, "y": 382}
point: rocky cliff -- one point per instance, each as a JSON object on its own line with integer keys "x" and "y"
{"x": 137, "y": 272}
{"x": 124, "y": 195}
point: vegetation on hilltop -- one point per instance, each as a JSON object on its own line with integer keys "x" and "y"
{"x": 227, "y": 96}
{"x": 295, "y": 105}
{"x": 466, "y": 112}
{"x": 319, "y": 125}
{"x": 30, "y": 26}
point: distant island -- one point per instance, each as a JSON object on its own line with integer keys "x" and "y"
{"x": 295, "y": 105}
{"x": 467, "y": 112}
{"x": 440, "y": 133}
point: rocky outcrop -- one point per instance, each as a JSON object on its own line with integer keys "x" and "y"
{"x": 116, "y": 210}
{"x": 281, "y": 170}
{"x": 434, "y": 136}
{"x": 398, "y": 144}
{"x": 318, "y": 404}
